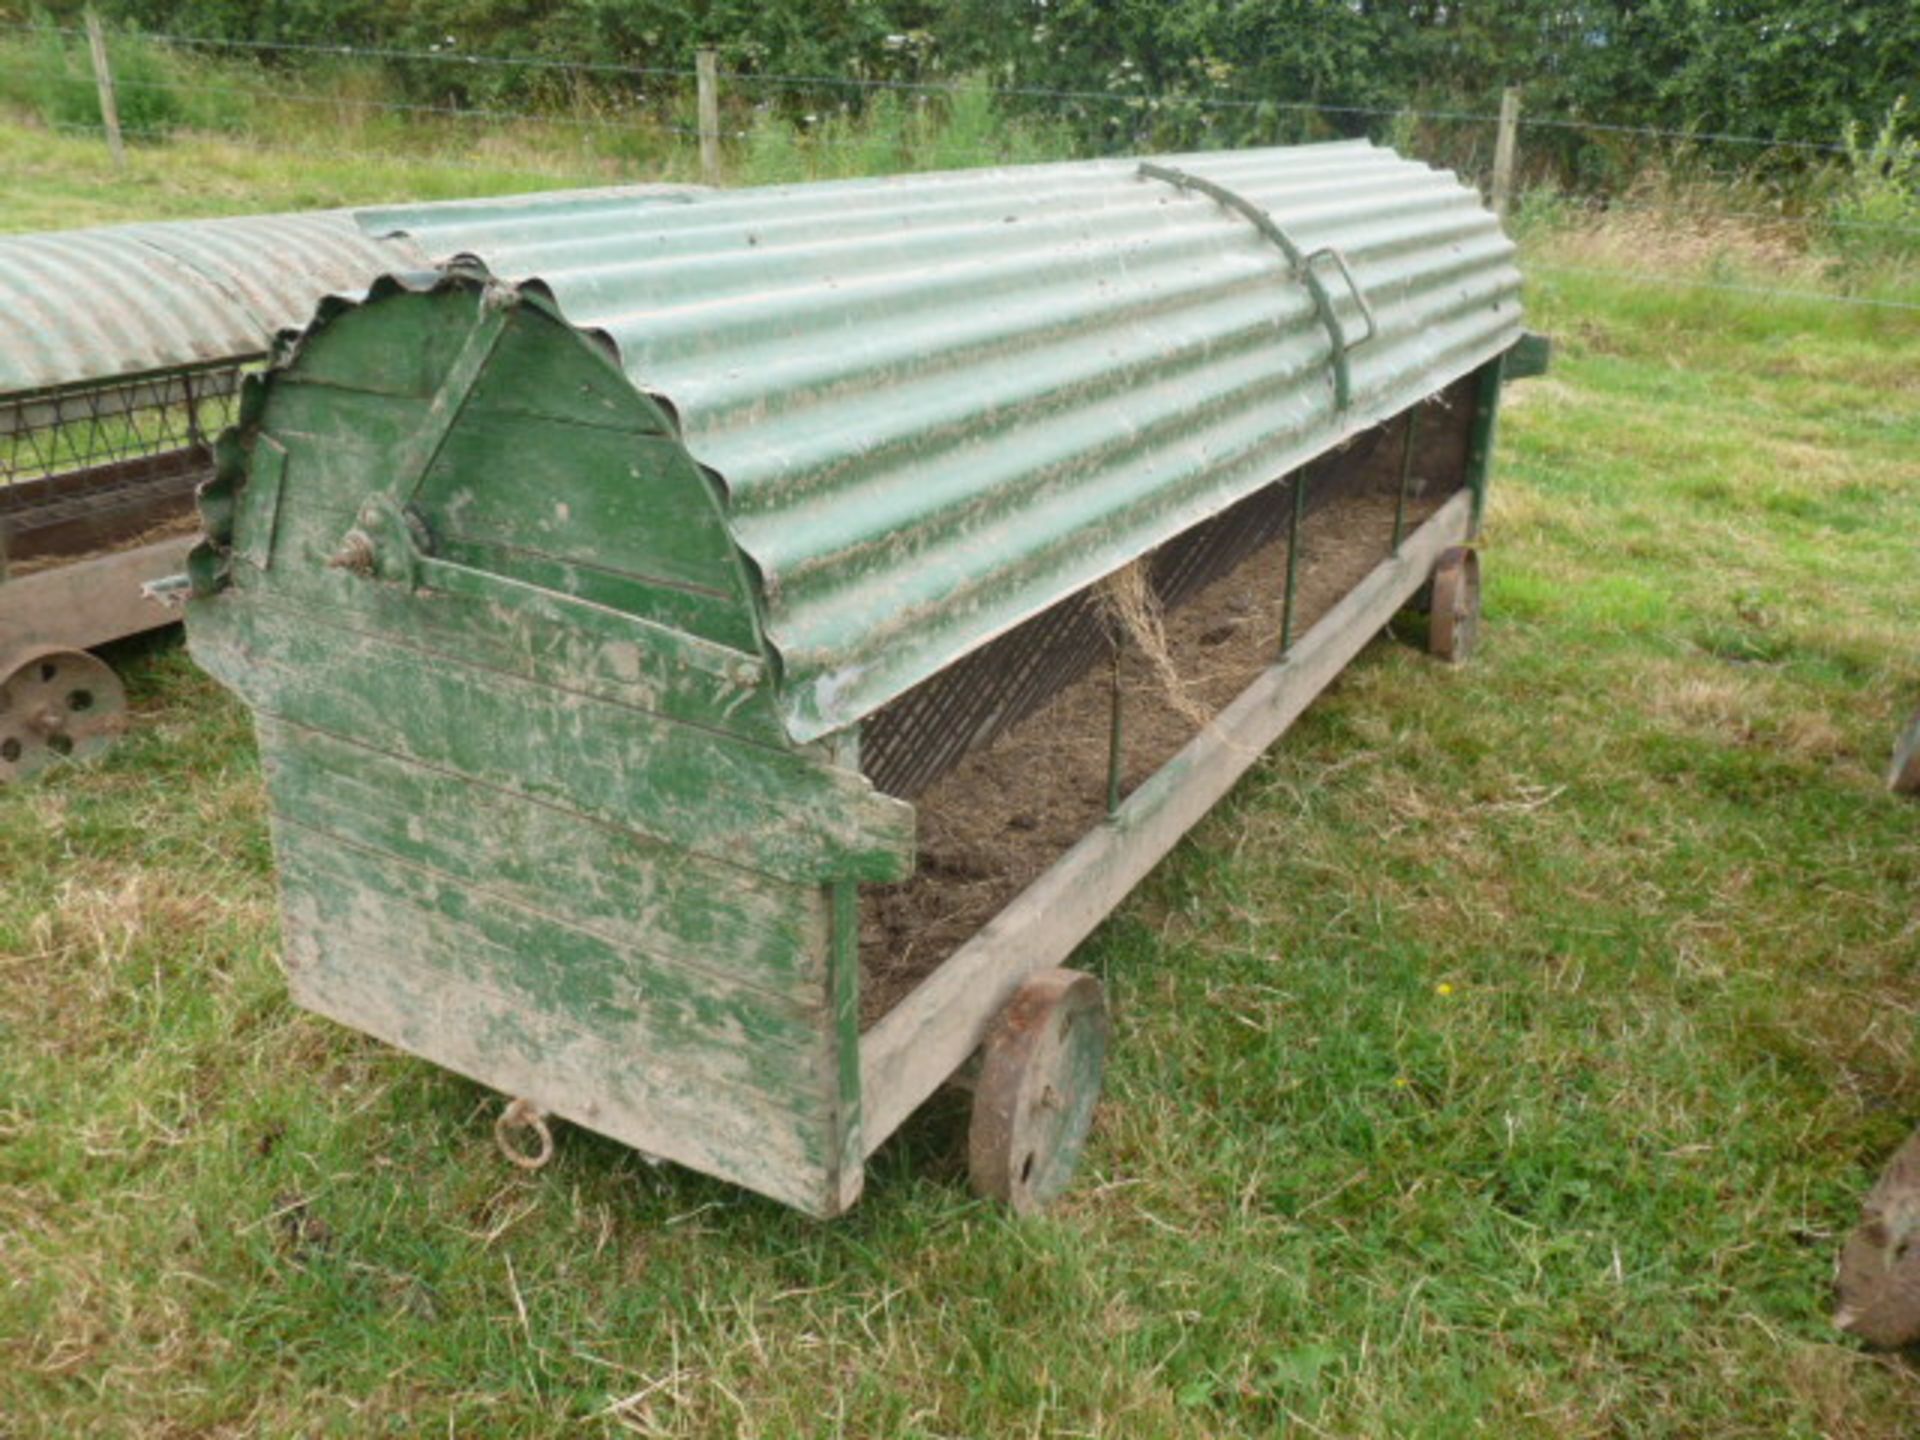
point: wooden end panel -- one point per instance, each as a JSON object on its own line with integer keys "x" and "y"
{"x": 548, "y": 957}
{"x": 699, "y": 790}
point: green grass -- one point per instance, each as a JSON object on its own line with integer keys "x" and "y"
{"x": 1506, "y": 1057}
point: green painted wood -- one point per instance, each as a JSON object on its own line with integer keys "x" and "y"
{"x": 696, "y": 614}
{"x": 776, "y": 811}
{"x": 548, "y": 466}
{"x": 1532, "y": 354}
{"x": 1486, "y": 422}
{"x": 362, "y": 964}
{"x": 346, "y": 438}
{"x": 260, "y": 503}
{"x": 604, "y": 498}
{"x": 558, "y": 455}
{"x": 542, "y": 370}
{"x": 538, "y": 633}
{"x": 662, "y": 1015}
{"x": 308, "y": 535}
{"x": 848, "y": 1152}
{"x": 705, "y": 917}
{"x": 354, "y": 358}
{"x": 407, "y": 466}
{"x": 537, "y": 816}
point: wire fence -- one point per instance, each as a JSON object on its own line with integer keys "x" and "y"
{"x": 760, "y": 79}
{"x": 650, "y": 124}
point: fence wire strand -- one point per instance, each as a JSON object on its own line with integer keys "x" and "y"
{"x": 1028, "y": 92}
{"x": 416, "y": 160}
{"x": 374, "y": 52}
{"x": 646, "y": 120}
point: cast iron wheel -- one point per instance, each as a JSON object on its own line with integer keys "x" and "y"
{"x": 1039, "y": 1079}
{"x": 57, "y": 705}
{"x": 1904, "y": 777}
{"x": 1454, "y": 622}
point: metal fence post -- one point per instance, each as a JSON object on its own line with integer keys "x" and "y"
{"x": 707, "y": 73}
{"x": 1293, "y": 559}
{"x": 103, "y": 80}
{"x": 1504, "y": 145}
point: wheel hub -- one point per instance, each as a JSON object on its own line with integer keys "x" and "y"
{"x": 57, "y": 705}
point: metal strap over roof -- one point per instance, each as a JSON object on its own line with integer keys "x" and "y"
{"x": 1301, "y": 262}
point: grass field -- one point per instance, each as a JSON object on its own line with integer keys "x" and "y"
{"x": 1505, "y": 1058}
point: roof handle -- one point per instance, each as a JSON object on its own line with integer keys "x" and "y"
{"x": 1299, "y": 262}
{"x": 1330, "y": 252}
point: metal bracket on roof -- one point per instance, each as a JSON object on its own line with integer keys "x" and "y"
{"x": 1301, "y": 262}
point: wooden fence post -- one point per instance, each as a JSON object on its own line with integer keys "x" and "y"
{"x": 707, "y": 72}
{"x": 103, "y": 80}
{"x": 1904, "y": 777}
{"x": 1504, "y": 145}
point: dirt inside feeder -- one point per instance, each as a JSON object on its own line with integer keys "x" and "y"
{"x": 1006, "y": 812}
{"x": 173, "y": 527}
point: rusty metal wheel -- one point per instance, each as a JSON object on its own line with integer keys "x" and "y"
{"x": 57, "y": 705}
{"x": 1453, "y": 626}
{"x": 1039, "y": 1079}
{"x": 1904, "y": 777}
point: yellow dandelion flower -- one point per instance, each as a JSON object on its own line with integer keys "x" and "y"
{"x": 1443, "y": 988}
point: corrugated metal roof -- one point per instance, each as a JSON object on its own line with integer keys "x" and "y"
{"x": 81, "y": 306}
{"x": 939, "y": 403}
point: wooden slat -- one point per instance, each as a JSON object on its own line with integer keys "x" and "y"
{"x": 515, "y": 481}
{"x": 349, "y": 964}
{"x": 552, "y": 472}
{"x": 924, "y": 1039}
{"x": 671, "y": 1025}
{"x": 88, "y": 602}
{"x": 701, "y": 915}
{"x": 848, "y": 1171}
{"x": 337, "y": 443}
{"x": 770, "y": 810}
{"x": 542, "y": 635}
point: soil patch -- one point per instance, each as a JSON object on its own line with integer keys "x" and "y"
{"x": 999, "y": 819}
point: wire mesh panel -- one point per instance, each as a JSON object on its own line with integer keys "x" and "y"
{"x": 90, "y": 467}
{"x": 1411, "y": 463}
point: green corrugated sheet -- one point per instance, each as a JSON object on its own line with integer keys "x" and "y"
{"x": 90, "y": 305}
{"x": 934, "y": 405}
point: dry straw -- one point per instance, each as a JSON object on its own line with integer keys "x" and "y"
{"x": 1126, "y": 597}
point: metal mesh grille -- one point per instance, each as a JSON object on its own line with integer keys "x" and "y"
{"x": 84, "y": 468}
{"x": 912, "y": 742}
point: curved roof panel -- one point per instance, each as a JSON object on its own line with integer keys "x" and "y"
{"x": 81, "y": 306}
{"x": 936, "y": 404}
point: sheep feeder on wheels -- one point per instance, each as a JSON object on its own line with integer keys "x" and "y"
{"x": 714, "y": 662}
{"x": 122, "y": 349}
{"x": 121, "y": 353}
